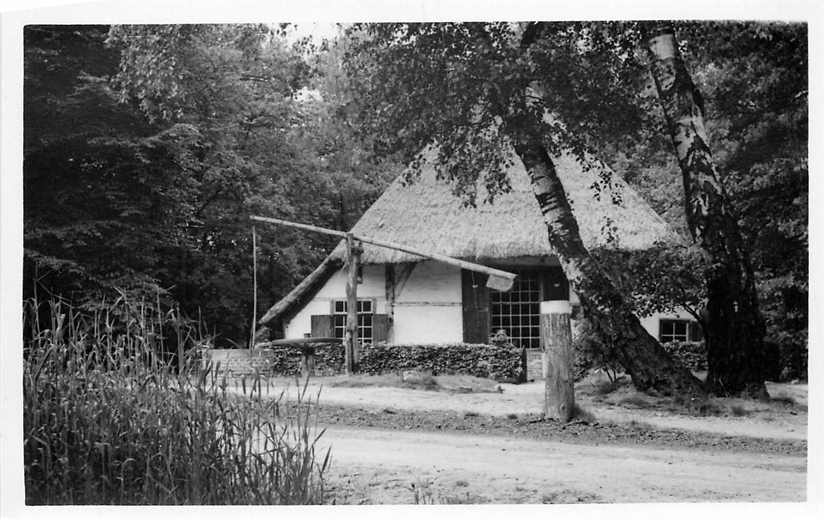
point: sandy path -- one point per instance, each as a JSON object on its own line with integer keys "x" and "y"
{"x": 378, "y": 466}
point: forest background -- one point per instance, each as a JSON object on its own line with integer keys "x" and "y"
{"x": 146, "y": 148}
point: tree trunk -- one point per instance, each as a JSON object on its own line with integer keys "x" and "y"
{"x": 734, "y": 328}
{"x": 649, "y": 365}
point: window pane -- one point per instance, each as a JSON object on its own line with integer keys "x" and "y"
{"x": 517, "y": 311}
{"x": 674, "y": 330}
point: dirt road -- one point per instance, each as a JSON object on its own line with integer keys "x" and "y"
{"x": 380, "y": 466}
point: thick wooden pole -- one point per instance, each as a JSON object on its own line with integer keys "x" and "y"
{"x": 254, "y": 288}
{"x": 351, "y": 335}
{"x": 505, "y": 278}
{"x": 558, "y": 358}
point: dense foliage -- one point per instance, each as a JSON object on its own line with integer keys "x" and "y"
{"x": 148, "y": 147}
{"x": 107, "y": 422}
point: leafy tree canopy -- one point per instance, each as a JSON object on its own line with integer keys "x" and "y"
{"x": 148, "y": 147}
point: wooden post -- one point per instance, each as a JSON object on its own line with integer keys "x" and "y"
{"x": 558, "y": 358}
{"x": 351, "y": 335}
{"x": 254, "y": 288}
{"x": 499, "y": 280}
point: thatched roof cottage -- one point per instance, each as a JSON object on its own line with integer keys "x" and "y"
{"x": 404, "y": 299}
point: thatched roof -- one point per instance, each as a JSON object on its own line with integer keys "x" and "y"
{"x": 303, "y": 291}
{"x": 427, "y": 216}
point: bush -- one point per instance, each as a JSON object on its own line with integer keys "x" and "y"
{"x": 792, "y": 361}
{"x": 592, "y": 352}
{"x": 693, "y": 354}
{"x": 108, "y": 421}
{"x": 501, "y": 363}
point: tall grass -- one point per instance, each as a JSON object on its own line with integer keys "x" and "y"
{"x": 108, "y": 419}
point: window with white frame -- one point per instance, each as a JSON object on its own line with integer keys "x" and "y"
{"x": 518, "y": 311}
{"x": 365, "y": 312}
{"x": 674, "y": 330}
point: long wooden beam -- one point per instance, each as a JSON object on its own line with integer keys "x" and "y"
{"x": 463, "y": 264}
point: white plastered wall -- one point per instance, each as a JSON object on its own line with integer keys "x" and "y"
{"x": 373, "y": 287}
{"x": 653, "y": 323}
{"x": 427, "y": 305}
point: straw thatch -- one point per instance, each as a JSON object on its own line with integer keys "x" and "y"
{"x": 304, "y": 291}
{"x": 426, "y": 215}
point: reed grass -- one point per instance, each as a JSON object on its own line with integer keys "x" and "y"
{"x": 111, "y": 418}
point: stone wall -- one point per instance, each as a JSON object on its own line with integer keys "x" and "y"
{"x": 240, "y": 361}
{"x": 534, "y": 364}
{"x": 502, "y": 363}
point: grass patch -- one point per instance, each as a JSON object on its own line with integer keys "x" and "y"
{"x": 606, "y": 386}
{"x": 636, "y": 401}
{"x": 423, "y": 493}
{"x": 358, "y": 381}
{"x": 421, "y": 382}
{"x": 784, "y": 400}
{"x": 705, "y": 409}
{"x": 450, "y": 383}
{"x": 583, "y": 415}
{"x": 108, "y": 420}
{"x": 465, "y": 498}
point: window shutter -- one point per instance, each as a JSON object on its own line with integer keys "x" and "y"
{"x": 554, "y": 284}
{"x": 695, "y": 331}
{"x": 321, "y": 326}
{"x": 380, "y": 328}
{"x": 475, "y": 296}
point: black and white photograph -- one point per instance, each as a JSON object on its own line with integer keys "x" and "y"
{"x": 509, "y": 258}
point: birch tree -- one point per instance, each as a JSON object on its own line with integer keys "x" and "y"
{"x": 735, "y": 328}
{"x": 476, "y": 91}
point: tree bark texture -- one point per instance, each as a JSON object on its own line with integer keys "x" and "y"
{"x": 351, "y": 334}
{"x": 649, "y": 365}
{"x": 734, "y": 327}
{"x": 644, "y": 359}
{"x": 558, "y": 360}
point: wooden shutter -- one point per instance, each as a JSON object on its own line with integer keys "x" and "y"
{"x": 322, "y": 326}
{"x": 380, "y": 328}
{"x": 695, "y": 331}
{"x": 475, "y": 296}
{"x": 554, "y": 284}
